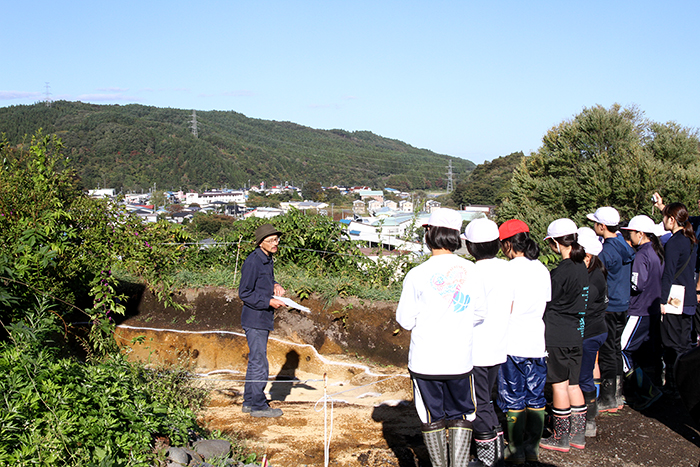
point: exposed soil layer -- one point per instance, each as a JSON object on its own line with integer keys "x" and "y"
{"x": 347, "y": 326}
{"x": 363, "y": 357}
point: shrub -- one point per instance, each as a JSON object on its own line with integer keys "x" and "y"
{"x": 56, "y": 410}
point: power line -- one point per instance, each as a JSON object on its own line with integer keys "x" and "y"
{"x": 47, "y": 99}
{"x": 193, "y": 124}
{"x": 449, "y": 178}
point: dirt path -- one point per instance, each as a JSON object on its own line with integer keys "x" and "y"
{"x": 382, "y": 429}
{"x": 373, "y": 419}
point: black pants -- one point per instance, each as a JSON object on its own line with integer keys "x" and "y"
{"x": 610, "y": 354}
{"x": 484, "y": 380}
{"x": 675, "y": 337}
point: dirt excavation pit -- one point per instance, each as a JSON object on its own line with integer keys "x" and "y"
{"x": 363, "y": 358}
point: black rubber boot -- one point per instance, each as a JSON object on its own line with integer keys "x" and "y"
{"x": 640, "y": 390}
{"x": 435, "y": 439}
{"x": 591, "y": 413}
{"x": 606, "y": 400}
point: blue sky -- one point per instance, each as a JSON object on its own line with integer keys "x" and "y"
{"x": 473, "y": 79}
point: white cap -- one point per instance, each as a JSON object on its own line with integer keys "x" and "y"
{"x": 606, "y": 215}
{"x": 588, "y": 239}
{"x": 481, "y": 230}
{"x": 642, "y": 224}
{"x": 561, "y": 227}
{"x": 660, "y": 229}
{"x": 587, "y": 231}
{"x": 445, "y": 217}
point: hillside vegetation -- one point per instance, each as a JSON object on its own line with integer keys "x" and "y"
{"x": 133, "y": 147}
{"x": 604, "y": 157}
{"x": 489, "y": 182}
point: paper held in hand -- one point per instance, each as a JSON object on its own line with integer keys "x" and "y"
{"x": 674, "y": 305}
{"x": 292, "y": 304}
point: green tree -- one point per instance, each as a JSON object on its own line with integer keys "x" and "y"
{"x": 159, "y": 199}
{"x": 312, "y": 191}
{"x": 488, "y": 183}
{"x": 56, "y": 241}
{"x": 603, "y": 157}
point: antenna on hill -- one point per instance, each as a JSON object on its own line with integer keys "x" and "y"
{"x": 47, "y": 100}
{"x": 193, "y": 123}
{"x": 449, "y": 178}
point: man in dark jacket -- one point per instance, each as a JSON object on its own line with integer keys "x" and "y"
{"x": 257, "y": 290}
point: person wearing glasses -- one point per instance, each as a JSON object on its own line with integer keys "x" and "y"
{"x": 257, "y": 290}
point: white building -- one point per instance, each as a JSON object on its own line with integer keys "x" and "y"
{"x": 373, "y": 205}
{"x": 102, "y": 193}
{"x": 264, "y": 213}
{"x": 208, "y": 197}
{"x": 431, "y": 204}
{"x": 359, "y": 207}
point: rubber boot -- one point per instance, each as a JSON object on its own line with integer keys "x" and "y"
{"x": 534, "y": 426}
{"x": 515, "y": 452}
{"x": 488, "y": 449}
{"x": 577, "y": 427}
{"x": 435, "y": 439}
{"x": 606, "y": 399}
{"x": 460, "y": 442}
{"x": 642, "y": 392}
{"x": 619, "y": 381}
{"x": 559, "y": 441}
{"x": 500, "y": 448}
{"x": 591, "y": 413}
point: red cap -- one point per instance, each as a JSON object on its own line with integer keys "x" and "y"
{"x": 512, "y": 227}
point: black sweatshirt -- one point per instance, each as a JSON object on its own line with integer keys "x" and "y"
{"x": 565, "y": 313}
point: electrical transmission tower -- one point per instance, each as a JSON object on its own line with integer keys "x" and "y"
{"x": 449, "y": 178}
{"x": 47, "y": 100}
{"x": 193, "y": 123}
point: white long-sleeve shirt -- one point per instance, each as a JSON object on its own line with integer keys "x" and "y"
{"x": 490, "y": 335}
{"x": 437, "y": 305}
{"x": 533, "y": 289}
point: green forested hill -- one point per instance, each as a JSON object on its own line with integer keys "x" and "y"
{"x": 489, "y": 182}
{"x": 132, "y": 147}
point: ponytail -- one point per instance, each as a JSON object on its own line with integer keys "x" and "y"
{"x": 596, "y": 263}
{"x": 679, "y": 213}
{"x": 656, "y": 245}
{"x": 523, "y": 243}
{"x": 578, "y": 254}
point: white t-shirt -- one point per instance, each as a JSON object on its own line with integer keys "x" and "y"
{"x": 533, "y": 289}
{"x": 437, "y": 305}
{"x": 490, "y": 336}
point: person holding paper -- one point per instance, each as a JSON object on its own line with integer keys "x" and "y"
{"x": 678, "y": 299}
{"x": 257, "y": 290}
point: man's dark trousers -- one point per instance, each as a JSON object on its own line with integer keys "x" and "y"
{"x": 258, "y": 369}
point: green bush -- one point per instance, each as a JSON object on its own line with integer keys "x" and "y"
{"x": 59, "y": 411}
{"x": 57, "y": 241}
{"x": 56, "y": 410}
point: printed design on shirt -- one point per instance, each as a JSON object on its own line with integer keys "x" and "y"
{"x": 635, "y": 280}
{"x": 449, "y": 284}
{"x": 582, "y": 314}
